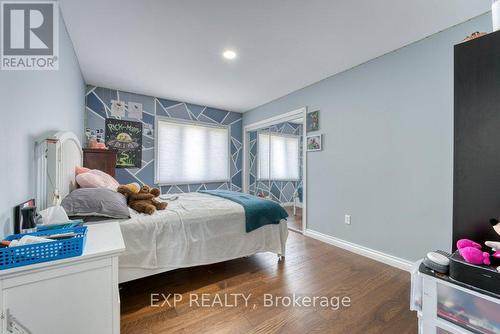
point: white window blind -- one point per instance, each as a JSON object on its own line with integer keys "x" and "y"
{"x": 278, "y": 157}
{"x": 191, "y": 153}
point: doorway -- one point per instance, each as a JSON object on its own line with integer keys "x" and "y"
{"x": 275, "y": 163}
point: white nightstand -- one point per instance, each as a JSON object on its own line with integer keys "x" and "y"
{"x": 78, "y": 295}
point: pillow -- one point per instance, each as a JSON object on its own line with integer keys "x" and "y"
{"x": 96, "y": 179}
{"x": 80, "y": 170}
{"x": 100, "y": 202}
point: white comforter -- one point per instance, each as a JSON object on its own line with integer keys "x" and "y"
{"x": 195, "y": 229}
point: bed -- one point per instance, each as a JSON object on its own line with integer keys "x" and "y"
{"x": 195, "y": 229}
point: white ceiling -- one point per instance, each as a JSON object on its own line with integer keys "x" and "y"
{"x": 172, "y": 49}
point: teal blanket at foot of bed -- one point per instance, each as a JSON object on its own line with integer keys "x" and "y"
{"x": 258, "y": 211}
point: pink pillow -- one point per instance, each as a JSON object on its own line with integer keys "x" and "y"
{"x": 96, "y": 179}
{"x": 80, "y": 170}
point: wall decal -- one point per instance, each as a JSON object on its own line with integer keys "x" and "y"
{"x": 98, "y": 108}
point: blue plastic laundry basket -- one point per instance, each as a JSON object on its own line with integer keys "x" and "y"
{"x": 11, "y": 257}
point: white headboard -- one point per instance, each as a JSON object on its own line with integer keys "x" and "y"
{"x": 57, "y": 157}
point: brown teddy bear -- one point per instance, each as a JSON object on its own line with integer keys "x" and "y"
{"x": 144, "y": 200}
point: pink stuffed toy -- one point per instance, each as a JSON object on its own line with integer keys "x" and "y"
{"x": 471, "y": 252}
{"x": 475, "y": 256}
{"x": 462, "y": 243}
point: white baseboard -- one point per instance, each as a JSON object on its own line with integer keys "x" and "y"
{"x": 361, "y": 250}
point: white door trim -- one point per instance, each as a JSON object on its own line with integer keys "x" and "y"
{"x": 277, "y": 119}
{"x": 288, "y": 116}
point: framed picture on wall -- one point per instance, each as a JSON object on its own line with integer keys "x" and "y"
{"x": 313, "y": 143}
{"x": 312, "y": 121}
{"x": 126, "y": 137}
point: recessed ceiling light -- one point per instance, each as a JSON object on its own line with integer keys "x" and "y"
{"x": 229, "y": 54}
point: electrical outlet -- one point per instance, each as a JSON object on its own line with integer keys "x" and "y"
{"x": 347, "y": 219}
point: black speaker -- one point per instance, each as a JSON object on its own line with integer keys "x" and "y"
{"x": 482, "y": 277}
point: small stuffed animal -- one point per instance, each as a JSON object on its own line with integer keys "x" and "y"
{"x": 496, "y": 225}
{"x": 472, "y": 253}
{"x": 495, "y": 245}
{"x": 144, "y": 200}
{"x": 475, "y": 256}
{"x": 462, "y": 243}
{"x": 474, "y": 35}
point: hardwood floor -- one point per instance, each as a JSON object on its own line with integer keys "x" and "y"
{"x": 294, "y": 221}
{"x": 379, "y": 295}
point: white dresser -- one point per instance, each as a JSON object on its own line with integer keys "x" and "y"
{"x": 78, "y": 295}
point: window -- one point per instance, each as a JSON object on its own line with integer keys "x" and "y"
{"x": 278, "y": 157}
{"x": 191, "y": 153}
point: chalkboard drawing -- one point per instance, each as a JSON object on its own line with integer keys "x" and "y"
{"x": 126, "y": 137}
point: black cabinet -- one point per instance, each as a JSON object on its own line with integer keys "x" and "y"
{"x": 476, "y": 193}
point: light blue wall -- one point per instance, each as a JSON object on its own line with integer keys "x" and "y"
{"x": 33, "y": 103}
{"x": 387, "y": 154}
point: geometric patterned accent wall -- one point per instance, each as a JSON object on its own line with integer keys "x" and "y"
{"x": 98, "y": 108}
{"x": 279, "y": 191}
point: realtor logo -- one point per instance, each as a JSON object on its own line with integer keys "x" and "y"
{"x": 30, "y": 35}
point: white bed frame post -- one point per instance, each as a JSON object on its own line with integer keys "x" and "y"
{"x": 41, "y": 173}
{"x": 57, "y": 157}
{"x": 283, "y": 237}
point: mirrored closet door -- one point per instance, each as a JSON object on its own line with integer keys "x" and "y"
{"x": 275, "y": 166}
